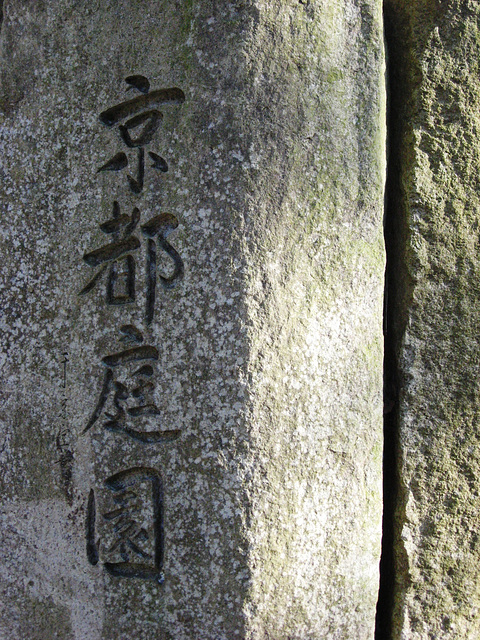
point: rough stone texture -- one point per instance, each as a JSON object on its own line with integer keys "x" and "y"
{"x": 434, "y": 199}
{"x": 269, "y": 348}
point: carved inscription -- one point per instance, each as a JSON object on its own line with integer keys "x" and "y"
{"x": 124, "y": 522}
{"x": 126, "y": 397}
{"x": 116, "y": 259}
{"x": 132, "y": 540}
{"x": 116, "y": 262}
{"x": 140, "y": 120}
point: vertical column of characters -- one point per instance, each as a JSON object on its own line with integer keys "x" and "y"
{"x": 132, "y": 540}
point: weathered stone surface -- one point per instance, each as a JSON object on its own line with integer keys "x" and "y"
{"x": 266, "y": 356}
{"x": 434, "y": 199}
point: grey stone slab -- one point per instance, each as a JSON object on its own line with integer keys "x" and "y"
{"x": 435, "y": 202}
{"x": 195, "y": 450}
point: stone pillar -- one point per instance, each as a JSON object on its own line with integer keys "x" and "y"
{"x": 434, "y": 51}
{"x": 192, "y": 200}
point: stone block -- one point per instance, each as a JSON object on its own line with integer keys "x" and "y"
{"x": 192, "y": 283}
{"x": 434, "y": 203}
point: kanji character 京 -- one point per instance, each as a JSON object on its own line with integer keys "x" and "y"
{"x": 142, "y": 120}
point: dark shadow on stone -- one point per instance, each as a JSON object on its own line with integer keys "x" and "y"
{"x": 385, "y": 604}
{"x": 403, "y": 79}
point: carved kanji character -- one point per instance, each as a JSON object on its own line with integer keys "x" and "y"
{"x": 142, "y": 120}
{"x": 134, "y": 527}
{"x": 125, "y": 402}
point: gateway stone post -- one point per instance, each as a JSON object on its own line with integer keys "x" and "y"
{"x": 434, "y": 50}
{"x": 192, "y": 284}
